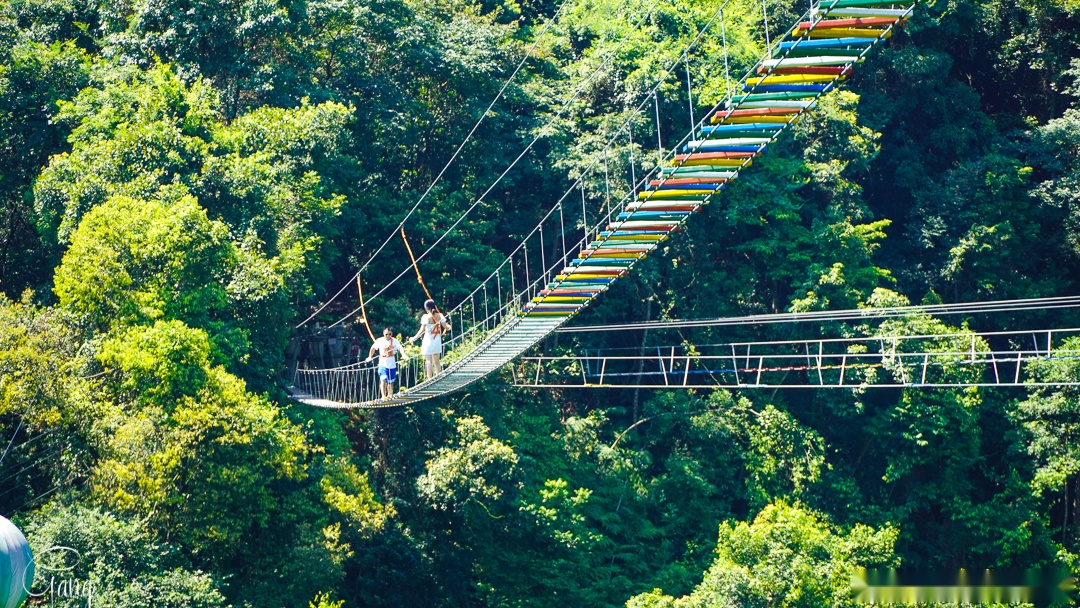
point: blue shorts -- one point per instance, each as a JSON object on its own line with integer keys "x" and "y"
{"x": 389, "y": 374}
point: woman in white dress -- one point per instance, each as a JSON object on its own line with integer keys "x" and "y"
{"x": 432, "y": 327}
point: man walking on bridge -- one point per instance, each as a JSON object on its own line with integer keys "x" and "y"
{"x": 386, "y": 346}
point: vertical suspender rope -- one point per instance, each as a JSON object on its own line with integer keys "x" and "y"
{"x": 584, "y": 217}
{"x": 543, "y": 256}
{"x": 363, "y": 312}
{"x": 562, "y": 231}
{"x": 633, "y": 175}
{"x": 659, "y": 144}
{"x": 416, "y": 267}
{"x": 768, "y": 45}
{"x": 689, "y": 94}
{"x": 513, "y": 285}
{"x": 527, "y": 274}
{"x": 607, "y": 183}
{"x": 727, "y": 69}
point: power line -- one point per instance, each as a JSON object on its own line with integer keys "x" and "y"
{"x": 842, "y": 315}
{"x": 26, "y": 412}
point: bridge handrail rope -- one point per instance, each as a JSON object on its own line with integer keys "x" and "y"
{"x": 519, "y": 304}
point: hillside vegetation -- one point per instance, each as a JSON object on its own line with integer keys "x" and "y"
{"x": 183, "y": 181}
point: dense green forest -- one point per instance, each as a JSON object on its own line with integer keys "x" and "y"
{"x": 183, "y": 181}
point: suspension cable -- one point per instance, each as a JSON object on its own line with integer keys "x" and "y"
{"x": 580, "y": 182}
{"x": 453, "y": 157}
{"x": 542, "y": 132}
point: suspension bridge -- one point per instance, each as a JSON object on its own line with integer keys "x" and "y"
{"x": 968, "y": 359}
{"x": 547, "y": 280}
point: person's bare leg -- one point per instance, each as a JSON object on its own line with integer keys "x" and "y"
{"x": 436, "y": 362}
{"x": 382, "y": 387}
{"x": 428, "y": 366}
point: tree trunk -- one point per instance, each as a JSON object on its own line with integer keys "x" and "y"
{"x": 641, "y": 362}
{"x": 1065, "y": 513}
{"x": 1076, "y": 503}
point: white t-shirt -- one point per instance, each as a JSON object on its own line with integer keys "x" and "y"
{"x": 386, "y": 349}
{"x": 432, "y": 344}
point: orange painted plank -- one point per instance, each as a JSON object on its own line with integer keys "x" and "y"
{"x": 853, "y": 22}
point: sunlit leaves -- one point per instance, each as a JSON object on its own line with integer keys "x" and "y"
{"x": 1051, "y": 418}
{"x": 136, "y": 134}
{"x": 157, "y": 364}
{"x": 348, "y": 491}
{"x": 787, "y": 557}
{"x": 474, "y": 468}
{"x": 208, "y": 465}
{"x": 133, "y": 261}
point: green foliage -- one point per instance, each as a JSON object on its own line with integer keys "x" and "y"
{"x": 323, "y": 600}
{"x": 1049, "y": 417}
{"x": 127, "y": 564}
{"x": 158, "y": 364}
{"x": 34, "y": 346}
{"x": 561, "y": 514}
{"x": 475, "y": 469}
{"x": 198, "y": 173}
{"x": 784, "y": 458}
{"x": 209, "y": 466}
{"x": 347, "y": 491}
{"x": 787, "y": 557}
{"x": 39, "y": 354}
{"x": 138, "y": 260}
{"x": 139, "y": 134}
{"x": 34, "y": 76}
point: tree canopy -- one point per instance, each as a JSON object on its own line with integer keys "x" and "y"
{"x": 183, "y": 182}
